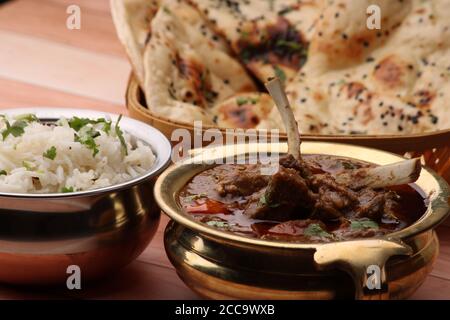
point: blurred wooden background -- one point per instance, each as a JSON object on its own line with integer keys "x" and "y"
{"x": 42, "y": 63}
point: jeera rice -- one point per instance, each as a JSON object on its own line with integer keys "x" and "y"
{"x": 70, "y": 155}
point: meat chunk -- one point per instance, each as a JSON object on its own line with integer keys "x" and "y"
{"x": 286, "y": 197}
{"x": 291, "y": 163}
{"x": 243, "y": 183}
{"x": 332, "y": 197}
{"x": 376, "y": 205}
{"x": 294, "y": 192}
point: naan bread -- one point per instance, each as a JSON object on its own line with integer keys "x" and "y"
{"x": 132, "y": 19}
{"x": 188, "y": 68}
{"x": 390, "y": 81}
{"x": 270, "y": 37}
{"x": 341, "y": 77}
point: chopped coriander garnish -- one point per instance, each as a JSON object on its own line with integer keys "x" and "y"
{"x": 119, "y": 134}
{"x": 67, "y": 189}
{"x": 107, "y": 127}
{"x": 16, "y": 129}
{"x": 265, "y": 202}
{"x": 315, "y": 230}
{"x": 241, "y": 101}
{"x": 88, "y": 139}
{"x": 244, "y": 100}
{"x": 196, "y": 197}
{"x": 253, "y": 100}
{"x": 347, "y": 165}
{"x": 3, "y": 173}
{"x": 363, "y": 224}
{"x": 218, "y": 224}
{"x": 77, "y": 123}
{"x": 50, "y": 153}
{"x": 29, "y": 117}
{"x": 290, "y": 44}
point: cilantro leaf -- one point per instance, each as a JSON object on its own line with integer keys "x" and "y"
{"x": 16, "y": 129}
{"x": 67, "y": 189}
{"x": 88, "y": 140}
{"x": 107, "y": 127}
{"x": 28, "y": 117}
{"x": 241, "y": 101}
{"x": 50, "y": 153}
{"x": 264, "y": 201}
{"x": 218, "y": 224}
{"x": 363, "y": 224}
{"x": 77, "y": 123}
{"x": 119, "y": 134}
{"x": 195, "y": 197}
{"x": 348, "y": 165}
{"x": 290, "y": 44}
{"x": 315, "y": 230}
{"x": 3, "y": 173}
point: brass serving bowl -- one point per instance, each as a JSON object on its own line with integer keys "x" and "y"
{"x": 219, "y": 264}
{"x": 41, "y": 235}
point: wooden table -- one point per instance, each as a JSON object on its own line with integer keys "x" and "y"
{"x": 42, "y": 63}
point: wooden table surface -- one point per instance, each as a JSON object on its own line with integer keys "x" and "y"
{"x": 42, "y": 63}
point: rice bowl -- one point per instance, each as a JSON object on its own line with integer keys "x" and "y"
{"x": 74, "y": 154}
{"x": 42, "y": 233}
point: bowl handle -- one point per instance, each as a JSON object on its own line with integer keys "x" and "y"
{"x": 365, "y": 261}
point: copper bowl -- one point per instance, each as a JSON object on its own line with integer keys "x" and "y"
{"x": 219, "y": 264}
{"x": 99, "y": 231}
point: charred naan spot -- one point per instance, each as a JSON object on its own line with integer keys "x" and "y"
{"x": 277, "y": 44}
{"x": 389, "y": 72}
{"x": 188, "y": 69}
{"x": 354, "y": 89}
{"x": 317, "y": 96}
{"x": 201, "y": 92}
{"x": 240, "y": 116}
{"x": 343, "y": 49}
{"x": 424, "y": 98}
